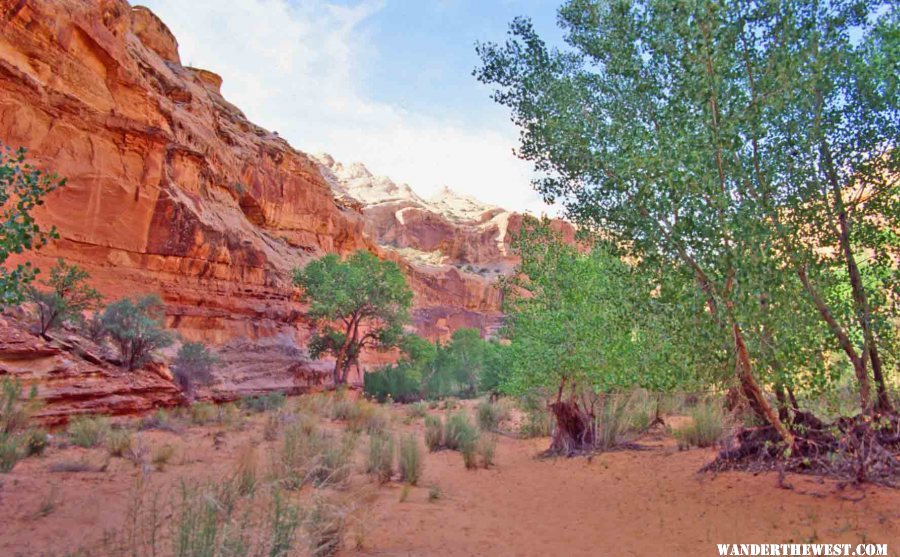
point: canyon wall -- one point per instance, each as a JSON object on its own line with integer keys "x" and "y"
{"x": 172, "y": 190}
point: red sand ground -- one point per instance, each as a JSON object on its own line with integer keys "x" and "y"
{"x": 648, "y": 502}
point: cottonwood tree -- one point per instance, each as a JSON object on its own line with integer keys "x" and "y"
{"x": 571, "y": 320}
{"x": 358, "y": 303}
{"x": 677, "y": 129}
{"x": 22, "y": 188}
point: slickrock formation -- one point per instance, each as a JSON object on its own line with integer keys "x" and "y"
{"x": 171, "y": 189}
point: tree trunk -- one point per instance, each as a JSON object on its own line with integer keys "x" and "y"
{"x": 758, "y": 402}
{"x": 573, "y": 432}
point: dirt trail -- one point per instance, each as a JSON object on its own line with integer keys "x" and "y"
{"x": 648, "y": 502}
{"x": 642, "y": 503}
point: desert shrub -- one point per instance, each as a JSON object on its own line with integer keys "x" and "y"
{"x": 193, "y": 366}
{"x": 334, "y": 464}
{"x": 35, "y": 441}
{"x": 488, "y": 415}
{"x": 325, "y": 525}
{"x": 434, "y": 433}
{"x": 161, "y": 455}
{"x": 486, "y": 449}
{"x": 10, "y": 452}
{"x": 380, "y": 461}
{"x": 417, "y": 410}
{"x": 119, "y": 441}
{"x": 198, "y": 522}
{"x": 706, "y": 428}
{"x": 271, "y": 427}
{"x": 410, "y": 461}
{"x": 88, "y": 432}
{"x": 315, "y": 456}
{"x": 318, "y": 404}
{"x": 450, "y": 403}
{"x": 263, "y": 403}
{"x": 459, "y": 432}
{"x": 468, "y": 448}
{"x": 203, "y": 413}
{"x": 76, "y": 467}
{"x": 137, "y": 327}
{"x": 65, "y": 296}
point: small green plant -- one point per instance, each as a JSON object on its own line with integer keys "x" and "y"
{"x": 410, "y": 460}
{"x": 434, "y": 433}
{"x": 538, "y": 419}
{"x": 119, "y": 442}
{"x": 35, "y": 441}
{"x": 88, "y": 432}
{"x": 285, "y": 518}
{"x": 706, "y": 428}
{"x": 380, "y": 462}
{"x": 14, "y": 410}
{"x": 9, "y": 452}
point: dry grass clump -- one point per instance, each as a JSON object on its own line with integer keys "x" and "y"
{"x": 245, "y": 472}
{"x": 161, "y": 455}
{"x": 380, "y": 461}
{"x": 162, "y": 420}
{"x": 88, "y": 432}
{"x": 410, "y": 460}
{"x": 325, "y": 525}
{"x": 9, "y": 452}
{"x": 310, "y": 455}
{"x": 417, "y": 410}
{"x": 119, "y": 442}
{"x": 707, "y": 427}
{"x": 434, "y": 433}
{"x": 489, "y": 415}
{"x": 486, "y": 448}
{"x": 35, "y": 441}
{"x": 361, "y": 415}
{"x": 203, "y": 413}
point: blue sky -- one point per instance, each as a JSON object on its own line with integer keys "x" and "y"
{"x": 384, "y": 82}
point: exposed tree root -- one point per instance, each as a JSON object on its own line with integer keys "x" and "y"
{"x": 855, "y": 450}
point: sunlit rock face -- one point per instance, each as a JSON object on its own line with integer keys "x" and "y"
{"x": 172, "y": 190}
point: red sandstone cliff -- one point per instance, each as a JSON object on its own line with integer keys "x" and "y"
{"x": 172, "y": 190}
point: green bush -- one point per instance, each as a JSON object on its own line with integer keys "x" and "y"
{"x": 263, "y": 403}
{"x": 380, "y": 462}
{"x": 88, "y": 432}
{"x": 434, "y": 433}
{"x": 398, "y": 382}
{"x": 538, "y": 419}
{"x": 203, "y": 413}
{"x": 14, "y": 411}
{"x": 706, "y": 428}
{"x": 410, "y": 460}
{"x": 137, "y": 326}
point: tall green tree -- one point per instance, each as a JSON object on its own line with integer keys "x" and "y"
{"x": 679, "y": 129}
{"x": 571, "y": 320}
{"x": 358, "y": 303}
{"x": 22, "y": 188}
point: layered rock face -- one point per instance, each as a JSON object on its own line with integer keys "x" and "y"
{"x": 172, "y": 190}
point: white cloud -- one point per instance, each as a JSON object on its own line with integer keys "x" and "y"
{"x": 300, "y": 67}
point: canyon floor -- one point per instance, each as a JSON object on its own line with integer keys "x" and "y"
{"x": 629, "y": 502}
